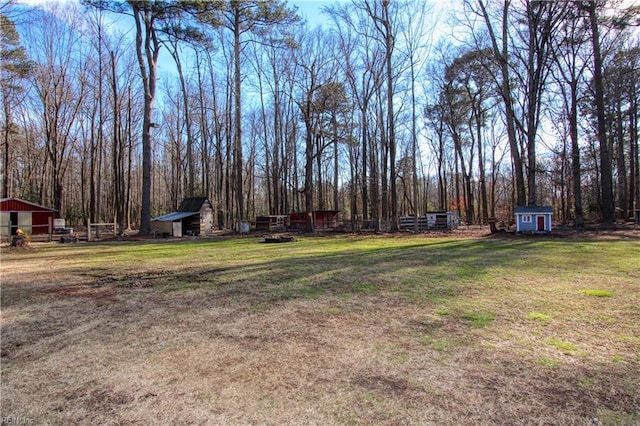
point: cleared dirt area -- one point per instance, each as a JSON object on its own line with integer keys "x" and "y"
{"x": 343, "y": 330}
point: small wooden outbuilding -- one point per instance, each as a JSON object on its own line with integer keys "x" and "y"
{"x": 272, "y": 223}
{"x": 32, "y": 218}
{"x": 536, "y": 219}
{"x": 321, "y": 219}
{"x": 431, "y": 221}
{"x": 194, "y": 217}
{"x": 325, "y": 219}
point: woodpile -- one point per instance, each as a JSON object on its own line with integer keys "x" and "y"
{"x": 279, "y": 239}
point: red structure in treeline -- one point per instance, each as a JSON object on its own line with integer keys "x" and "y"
{"x": 17, "y": 214}
{"x": 321, "y": 219}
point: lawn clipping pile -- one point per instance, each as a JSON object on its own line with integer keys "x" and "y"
{"x": 325, "y": 330}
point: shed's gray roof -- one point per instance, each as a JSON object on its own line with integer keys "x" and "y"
{"x": 173, "y": 216}
{"x": 533, "y": 209}
{"x": 193, "y": 204}
{"x": 189, "y": 207}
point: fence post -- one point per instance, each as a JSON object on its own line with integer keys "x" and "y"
{"x": 50, "y": 222}
{"x": 88, "y": 230}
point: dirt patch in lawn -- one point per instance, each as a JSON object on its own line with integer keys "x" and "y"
{"x": 264, "y": 342}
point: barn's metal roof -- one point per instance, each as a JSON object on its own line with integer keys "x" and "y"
{"x": 171, "y": 217}
{"x": 12, "y": 201}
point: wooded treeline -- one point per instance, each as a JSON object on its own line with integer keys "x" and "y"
{"x": 121, "y": 109}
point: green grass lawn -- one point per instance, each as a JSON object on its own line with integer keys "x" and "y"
{"x": 341, "y": 330}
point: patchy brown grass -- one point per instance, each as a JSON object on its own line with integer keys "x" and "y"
{"x": 343, "y": 330}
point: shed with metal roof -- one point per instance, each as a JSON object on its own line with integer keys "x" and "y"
{"x": 32, "y": 218}
{"x": 194, "y": 217}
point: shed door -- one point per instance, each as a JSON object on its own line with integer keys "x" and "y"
{"x": 541, "y": 223}
{"x": 25, "y": 221}
{"x": 13, "y": 217}
{"x": 177, "y": 228}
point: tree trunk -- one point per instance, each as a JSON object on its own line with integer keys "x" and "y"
{"x": 606, "y": 175}
{"x": 365, "y": 159}
{"x": 634, "y": 170}
{"x": 375, "y": 185}
{"x": 389, "y": 44}
{"x": 147, "y": 50}
{"x": 384, "y": 170}
{"x": 481, "y": 170}
{"x": 191, "y": 171}
{"x": 6, "y": 131}
{"x": 238, "y": 115}
{"x": 576, "y": 173}
{"x": 336, "y": 190}
{"x": 308, "y": 174}
{"x": 621, "y": 166}
{"x": 502, "y": 55}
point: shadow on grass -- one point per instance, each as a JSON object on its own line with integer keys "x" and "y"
{"x": 308, "y": 268}
{"x": 420, "y": 269}
{"x": 243, "y": 271}
{"x": 424, "y": 270}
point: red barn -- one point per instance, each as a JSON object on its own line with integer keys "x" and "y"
{"x": 30, "y": 217}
